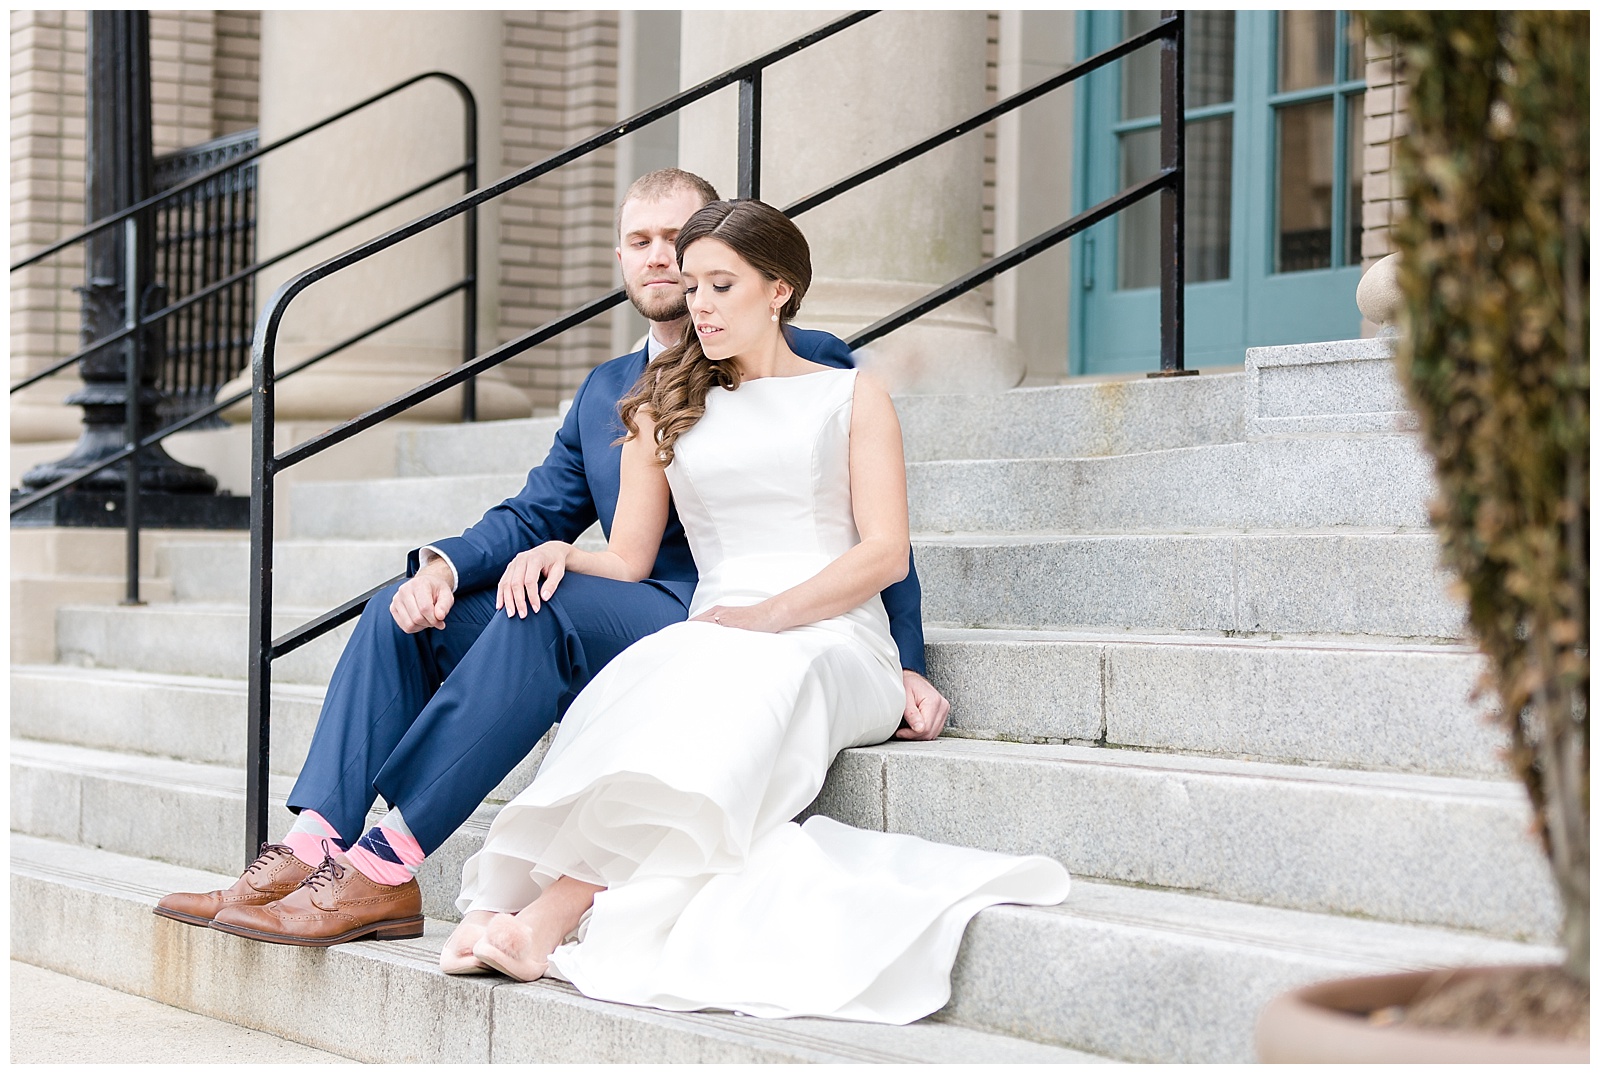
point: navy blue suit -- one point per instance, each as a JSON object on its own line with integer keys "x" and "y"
{"x": 433, "y": 721}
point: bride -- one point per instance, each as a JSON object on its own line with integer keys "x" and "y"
{"x": 653, "y": 859}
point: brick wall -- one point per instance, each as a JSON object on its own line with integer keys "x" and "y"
{"x": 47, "y": 123}
{"x": 556, "y": 233}
{"x": 1385, "y": 121}
{"x": 182, "y": 65}
{"x": 236, "y": 98}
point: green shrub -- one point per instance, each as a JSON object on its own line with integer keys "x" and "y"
{"x": 1494, "y": 268}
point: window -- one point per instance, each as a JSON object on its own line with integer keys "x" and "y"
{"x": 1272, "y": 187}
{"x": 1317, "y": 109}
{"x": 1208, "y": 149}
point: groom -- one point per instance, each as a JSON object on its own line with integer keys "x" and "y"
{"x": 438, "y": 695}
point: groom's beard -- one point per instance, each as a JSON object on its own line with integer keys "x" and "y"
{"x": 657, "y": 308}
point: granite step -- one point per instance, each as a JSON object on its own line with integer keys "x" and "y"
{"x": 1305, "y": 700}
{"x": 193, "y": 815}
{"x": 1108, "y": 416}
{"x": 1315, "y": 389}
{"x": 1288, "y": 484}
{"x": 1142, "y": 975}
{"x": 1428, "y": 850}
{"x": 1394, "y": 706}
{"x": 412, "y": 509}
{"x": 193, "y": 718}
{"x": 474, "y": 447}
{"x": 178, "y": 719}
{"x": 1294, "y": 483}
{"x": 1424, "y": 850}
{"x": 1374, "y": 583}
{"x": 208, "y": 640}
{"x": 416, "y": 1013}
{"x": 305, "y": 573}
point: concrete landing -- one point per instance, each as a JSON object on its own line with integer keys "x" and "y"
{"x": 60, "y": 1019}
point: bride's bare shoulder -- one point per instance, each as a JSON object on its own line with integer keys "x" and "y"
{"x": 871, "y": 405}
{"x": 871, "y": 387}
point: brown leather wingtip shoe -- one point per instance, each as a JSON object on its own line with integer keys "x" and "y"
{"x": 335, "y": 904}
{"x": 274, "y": 874}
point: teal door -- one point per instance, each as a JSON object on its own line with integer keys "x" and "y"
{"x": 1273, "y": 188}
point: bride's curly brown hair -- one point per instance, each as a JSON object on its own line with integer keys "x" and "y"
{"x": 673, "y": 387}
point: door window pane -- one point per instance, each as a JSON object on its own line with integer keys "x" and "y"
{"x": 1305, "y": 186}
{"x": 1208, "y": 199}
{"x": 1355, "y": 57}
{"x": 1353, "y": 161}
{"x": 1138, "y": 226}
{"x": 1208, "y": 63}
{"x": 1305, "y": 49}
{"x": 1208, "y": 203}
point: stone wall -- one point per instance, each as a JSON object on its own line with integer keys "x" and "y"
{"x": 557, "y": 233}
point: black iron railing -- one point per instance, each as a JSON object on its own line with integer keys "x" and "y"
{"x": 267, "y": 463}
{"x": 142, "y": 224}
{"x": 203, "y": 235}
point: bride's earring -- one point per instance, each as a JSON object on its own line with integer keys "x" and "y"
{"x": 774, "y": 315}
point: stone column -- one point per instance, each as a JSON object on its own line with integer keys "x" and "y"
{"x": 843, "y": 104}
{"x": 1033, "y": 188}
{"x": 312, "y": 64}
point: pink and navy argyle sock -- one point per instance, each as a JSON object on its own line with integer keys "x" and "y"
{"x": 307, "y": 835}
{"x": 388, "y": 853}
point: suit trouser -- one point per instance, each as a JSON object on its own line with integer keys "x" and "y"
{"x": 433, "y": 721}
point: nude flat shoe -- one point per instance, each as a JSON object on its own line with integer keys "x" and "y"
{"x": 518, "y": 969}
{"x": 500, "y": 962}
{"x": 461, "y": 965}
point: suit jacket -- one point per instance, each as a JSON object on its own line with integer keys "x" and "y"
{"x": 579, "y": 480}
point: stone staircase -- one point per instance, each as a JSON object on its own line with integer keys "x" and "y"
{"x": 1197, "y": 649}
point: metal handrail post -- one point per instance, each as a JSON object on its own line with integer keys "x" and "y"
{"x": 133, "y": 379}
{"x": 750, "y": 135}
{"x": 469, "y": 297}
{"x": 258, "y": 734}
{"x": 1172, "y": 207}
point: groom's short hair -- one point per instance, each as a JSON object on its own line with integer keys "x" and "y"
{"x": 663, "y": 181}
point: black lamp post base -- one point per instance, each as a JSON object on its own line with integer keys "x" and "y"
{"x": 157, "y": 510}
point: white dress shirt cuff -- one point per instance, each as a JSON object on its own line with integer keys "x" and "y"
{"x": 425, "y": 556}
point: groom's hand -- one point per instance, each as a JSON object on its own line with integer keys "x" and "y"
{"x": 425, "y": 598}
{"x": 926, "y": 709}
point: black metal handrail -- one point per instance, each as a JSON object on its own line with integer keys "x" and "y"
{"x": 266, "y": 463}
{"x": 135, "y": 222}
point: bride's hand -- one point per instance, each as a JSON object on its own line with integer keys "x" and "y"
{"x": 755, "y": 617}
{"x": 519, "y": 585}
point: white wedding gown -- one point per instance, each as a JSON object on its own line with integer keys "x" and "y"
{"x": 675, "y": 774}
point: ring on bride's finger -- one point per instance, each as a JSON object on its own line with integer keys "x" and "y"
{"x": 716, "y": 618}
